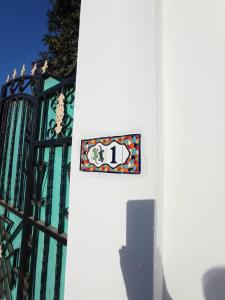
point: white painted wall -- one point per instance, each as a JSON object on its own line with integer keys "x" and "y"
{"x": 115, "y": 95}
{"x": 194, "y": 102}
{"x": 119, "y": 79}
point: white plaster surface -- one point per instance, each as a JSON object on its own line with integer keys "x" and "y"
{"x": 117, "y": 86}
{"x": 194, "y": 131}
{"x": 115, "y": 95}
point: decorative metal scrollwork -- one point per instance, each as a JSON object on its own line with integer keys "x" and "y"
{"x": 39, "y": 175}
{"x": 9, "y": 257}
{"x": 62, "y": 124}
{"x": 59, "y": 113}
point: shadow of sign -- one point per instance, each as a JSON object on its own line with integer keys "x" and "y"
{"x": 214, "y": 284}
{"x": 136, "y": 258}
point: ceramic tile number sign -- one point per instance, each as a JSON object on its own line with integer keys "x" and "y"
{"x": 117, "y": 154}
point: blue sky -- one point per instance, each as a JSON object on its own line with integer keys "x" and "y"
{"x": 22, "y": 26}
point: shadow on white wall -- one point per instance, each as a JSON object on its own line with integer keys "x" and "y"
{"x": 214, "y": 284}
{"x": 136, "y": 258}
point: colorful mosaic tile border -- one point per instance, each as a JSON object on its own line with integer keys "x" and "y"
{"x": 117, "y": 154}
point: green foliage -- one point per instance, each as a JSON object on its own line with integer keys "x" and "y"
{"x": 62, "y": 39}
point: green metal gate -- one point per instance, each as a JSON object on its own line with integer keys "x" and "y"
{"x": 36, "y": 119}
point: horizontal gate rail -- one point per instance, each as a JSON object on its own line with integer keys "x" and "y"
{"x": 50, "y": 230}
{"x": 17, "y": 85}
{"x": 17, "y": 79}
{"x": 17, "y": 97}
{"x": 58, "y": 87}
{"x": 56, "y": 142}
{"x": 12, "y": 209}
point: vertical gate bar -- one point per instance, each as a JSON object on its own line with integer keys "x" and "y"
{"x": 11, "y": 157}
{"x": 3, "y": 118}
{"x": 44, "y": 119}
{"x": 39, "y": 116}
{"x": 4, "y": 110}
{"x": 40, "y": 155}
{"x": 25, "y": 252}
{"x": 3, "y": 91}
{"x": 1, "y": 107}
{"x": 5, "y": 150}
{"x": 4, "y": 276}
{"x": 25, "y": 155}
{"x": 40, "y": 127}
{"x": 62, "y": 200}
{"x": 1, "y": 284}
{"x": 6, "y": 282}
{"x": 48, "y": 210}
{"x": 39, "y": 130}
{"x": 20, "y": 155}
{"x": 35, "y": 230}
{"x": 33, "y": 263}
{"x": 37, "y": 192}
{"x": 4, "y": 143}
{"x": 44, "y": 271}
{"x": 58, "y": 271}
{"x": 36, "y": 195}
